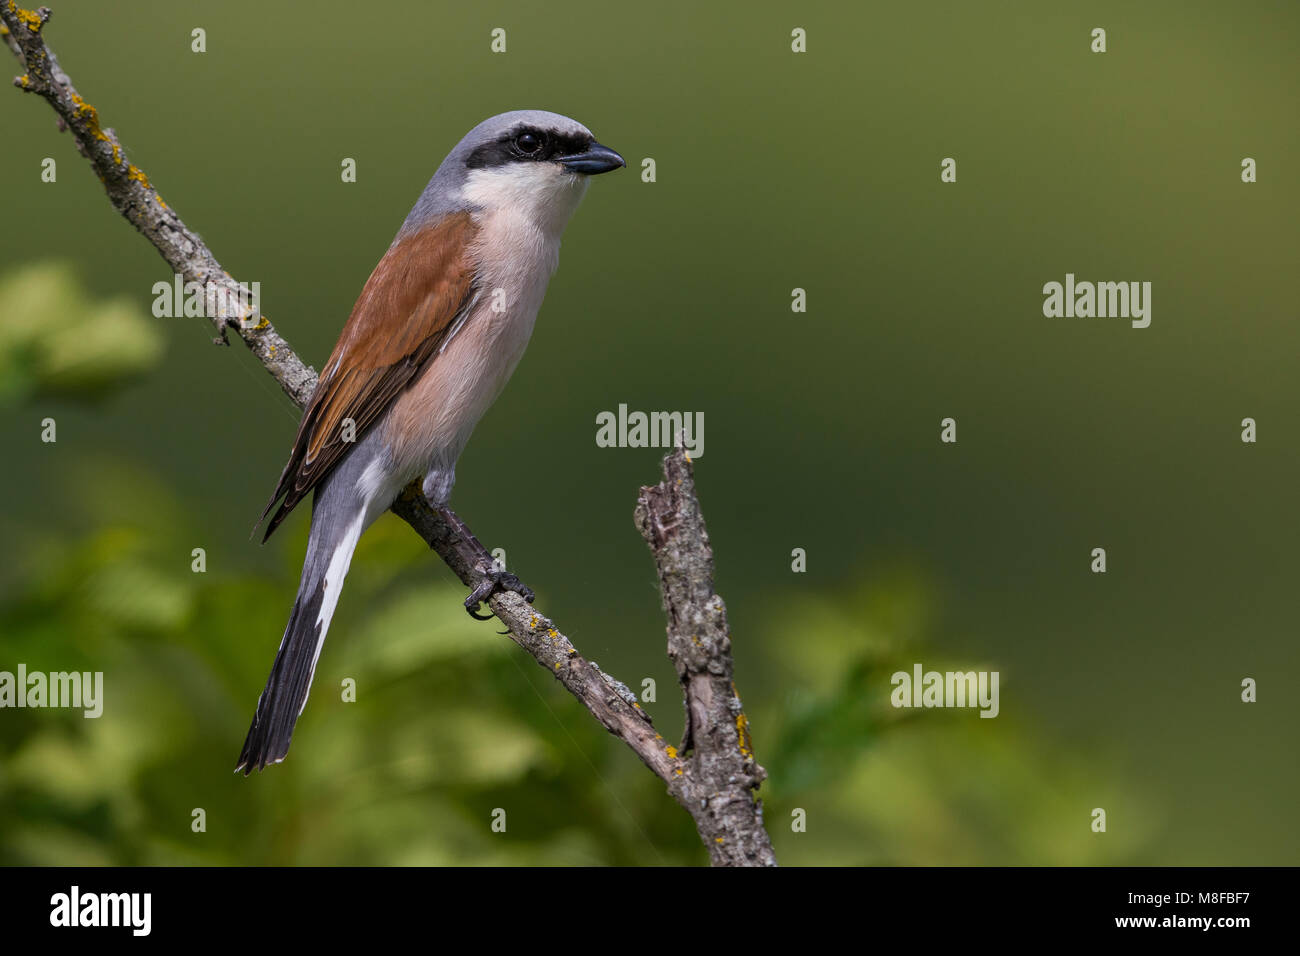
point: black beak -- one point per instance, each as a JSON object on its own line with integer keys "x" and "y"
{"x": 595, "y": 159}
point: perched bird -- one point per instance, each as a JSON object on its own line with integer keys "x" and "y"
{"x": 437, "y": 331}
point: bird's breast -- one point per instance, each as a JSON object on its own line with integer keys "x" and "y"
{"x": 432, "y": 420}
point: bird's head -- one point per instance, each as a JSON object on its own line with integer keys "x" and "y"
{"x": 527, "y": 162}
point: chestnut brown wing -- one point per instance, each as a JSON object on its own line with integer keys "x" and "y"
{"x": 408, "y": 307}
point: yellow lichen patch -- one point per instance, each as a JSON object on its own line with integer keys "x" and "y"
{"x": 687, "y": 455}
{"x": 24, "y": 81}
{"x": 85, "y": 111}
{"x": 160, "y": 201}
{"x": 718, "y": 840}
{"x": 32, "y": 21}
{"x": 636, "y": 705}
{"x": 264, "y": 324}
{"x": 552, "y": 633}
{"x": 678, "y": 771}
{"x": 136, "y": 174}
{"x": 557, "y": 665}
{"x": 671, "y": 751}
{"x": 532, "y": 623}
{"x": 742, "y": 733}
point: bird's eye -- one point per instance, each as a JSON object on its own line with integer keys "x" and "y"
{"x": 528, "y": 142}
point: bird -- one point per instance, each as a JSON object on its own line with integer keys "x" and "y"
{"x": 432, "y": 339}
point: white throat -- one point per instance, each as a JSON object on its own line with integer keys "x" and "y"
{"x": 544, "y": 195}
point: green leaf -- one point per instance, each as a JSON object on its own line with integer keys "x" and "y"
{"x": 56, "y": 340}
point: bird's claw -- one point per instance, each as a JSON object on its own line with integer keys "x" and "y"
{"x": 493, "y": 581}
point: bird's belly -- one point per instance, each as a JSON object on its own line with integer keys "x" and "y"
{"x": 431, "y": 421}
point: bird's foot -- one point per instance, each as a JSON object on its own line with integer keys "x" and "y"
{"x": 497, "y": 579}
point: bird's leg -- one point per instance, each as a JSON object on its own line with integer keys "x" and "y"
{"x": 495, "y": 577}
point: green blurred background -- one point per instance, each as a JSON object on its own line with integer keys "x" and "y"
{"x": 775, "y": 171}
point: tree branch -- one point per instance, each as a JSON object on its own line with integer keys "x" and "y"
{"x": 722, "y": 776}
{"x": 715, "y": 783}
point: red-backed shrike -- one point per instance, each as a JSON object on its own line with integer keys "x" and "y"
{"x": 436, "y": 333}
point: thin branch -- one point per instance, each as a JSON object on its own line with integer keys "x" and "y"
{"x": 713, "y": 785}
{"x": 722, "y": 778}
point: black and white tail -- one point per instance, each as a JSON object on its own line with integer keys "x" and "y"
{"x": 335, "y": 527}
